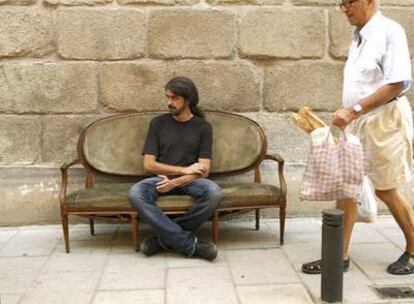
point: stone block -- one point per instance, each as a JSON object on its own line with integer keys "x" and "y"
{"x": 25, "y": 31}
{"x": 18, "y": 2}
{"x": 76, "y": 2}
{"x": 19, "y": 139}
{"x": 48, "y": 87}
{"x": 405, "y": 18}
{"x": 277, "y": 33}
{"x": 207, "y": 33}
{"x": 397, "y": 2}
{"x": 245, "y": 2}
{"x": 133, "y": 86}
{"x": 340, "y": 34}
{"x": 60, "y": 137}
{"x": 233, "y": 87}
{"x": 140, "y": 87}
{"x": 290, "y": 86}
{"x": 101, "y": 34}
{"x": 313, "y": 2}
{"x": 162, "y": 2}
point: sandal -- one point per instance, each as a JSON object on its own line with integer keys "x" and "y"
{"x": 404, "y": 265}
{"x": 315, "y": 267}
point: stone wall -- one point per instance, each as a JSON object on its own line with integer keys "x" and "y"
{"x": 65, "y": 63}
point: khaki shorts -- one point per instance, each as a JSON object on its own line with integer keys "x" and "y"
{"x": 386, "y": 134}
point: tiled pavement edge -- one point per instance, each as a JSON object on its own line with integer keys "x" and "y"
{"x": 251, "y": 267}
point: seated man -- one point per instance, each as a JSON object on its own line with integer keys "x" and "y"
{"x": 178, "y": 151}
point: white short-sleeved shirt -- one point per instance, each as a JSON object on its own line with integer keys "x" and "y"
{"x": 382, "y": 57}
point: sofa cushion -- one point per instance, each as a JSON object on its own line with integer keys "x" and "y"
{"x": 114, "y": 197}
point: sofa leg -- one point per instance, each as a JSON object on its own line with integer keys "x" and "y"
{"x": 134, "y": 228}
{"x": 257, "y": 219}
{"x": 91, "y": 225}
{"x": 65, "y": 226}
{"x": 282, "y": 217}
{"x": 215, "y": 226}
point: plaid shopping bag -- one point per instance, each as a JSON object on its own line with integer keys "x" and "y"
{"x": 333, "y": 171}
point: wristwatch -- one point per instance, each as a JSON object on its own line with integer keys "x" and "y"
{"x": 357, "y": 108}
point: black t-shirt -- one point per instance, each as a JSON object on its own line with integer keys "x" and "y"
{"x": 178, "y": 143}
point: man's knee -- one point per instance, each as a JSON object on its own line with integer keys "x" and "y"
{"x": 214, "y": 193}
{"x": 386, "y": 196}
{"x": 141, "y": 192}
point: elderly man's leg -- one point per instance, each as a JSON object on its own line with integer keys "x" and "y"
{"x": 350, "y": 214}
{"x": 404, "y": 215}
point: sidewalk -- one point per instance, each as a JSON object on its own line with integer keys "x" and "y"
{"x": 251, "y": 266}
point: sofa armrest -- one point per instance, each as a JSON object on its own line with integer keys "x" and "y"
{"x": 282, "y": 182}
{"x": 64, "y": 182}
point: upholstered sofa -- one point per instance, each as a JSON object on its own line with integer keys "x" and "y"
{"x": 112, "y": 147}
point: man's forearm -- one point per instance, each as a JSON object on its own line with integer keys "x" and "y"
{"x": 185, "y": 179}
{"x": 163, "y": 169}
{"x": 383, "y": 95}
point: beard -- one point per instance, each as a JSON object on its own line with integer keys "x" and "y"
{"x": 176, "y": 111}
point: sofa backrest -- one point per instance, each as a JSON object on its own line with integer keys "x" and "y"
{"x": 113, "y": 145}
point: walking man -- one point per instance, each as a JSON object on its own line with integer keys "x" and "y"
{"x": 377, "y": 75}
{"x": 178, "y": 151}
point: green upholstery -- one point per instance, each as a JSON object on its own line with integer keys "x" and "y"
{"x": 114, "y": 145}
{"x": 114, "y": 196}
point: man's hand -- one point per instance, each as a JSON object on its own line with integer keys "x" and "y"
{"x": 196, "y": 168}
{"x": 342, "y": 117}
{"x": 165, "y": 184}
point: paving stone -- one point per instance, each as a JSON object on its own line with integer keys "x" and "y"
{"x": 299, "y": 225}
{"x": 28, "y": 243}
{"x": 130, "y": 297}
{"x": 10, "y": 299}
{"x": 270, "y": 294}
{"x": 242, "y": 235}
{"x": 85, "y": 249}
{"x": 365, "y": 233}
{"x": 373, "y": 259}
{"x": 74, "y": 263}
{"x": 5, "y": 235}
{"x": 200, "y": 285}
{"x": 270, "y": 266}
{"x": 397, "y": 237}
{"x": 176, "y": 261}
{"x": 17, "y": 274}
{"x": 62, "y": 287}
{"x": 134, "y": 271}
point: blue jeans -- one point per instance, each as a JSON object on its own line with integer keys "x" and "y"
{"x": 177, "y": 235}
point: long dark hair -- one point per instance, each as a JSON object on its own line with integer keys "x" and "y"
{"x": 185, "y": 87}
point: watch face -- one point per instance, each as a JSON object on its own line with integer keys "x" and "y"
{"x": 357, "y": 108}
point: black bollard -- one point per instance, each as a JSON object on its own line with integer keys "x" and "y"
{"x": 332, "y": 260}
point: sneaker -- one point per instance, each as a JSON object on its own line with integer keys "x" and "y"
{"x": 151, "y": 246}
{"x": 205, "y": 250}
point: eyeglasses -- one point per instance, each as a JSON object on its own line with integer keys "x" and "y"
{"x": 346, "y": 4}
